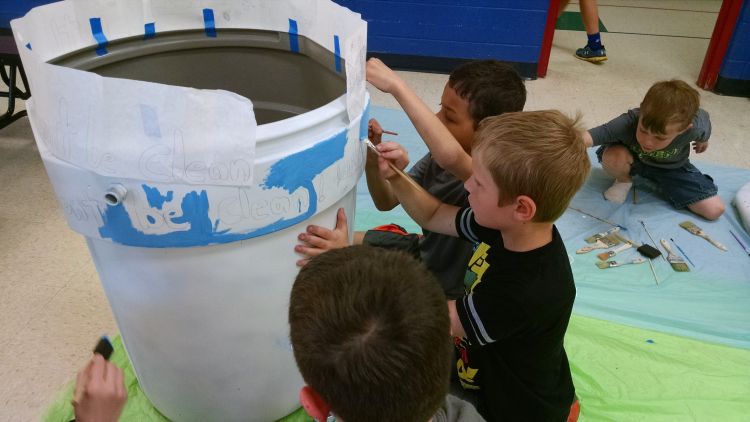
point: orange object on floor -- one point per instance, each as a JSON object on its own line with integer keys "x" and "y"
{"x": 575, "y": 411}
{"x": 393, "y": 228}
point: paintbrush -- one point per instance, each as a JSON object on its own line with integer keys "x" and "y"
{"x": 740, "y": 242}
{"x": 611, "y": 264}
{"x": 653, "y": 271}
{"x": 677, "y": 263}
{"x": 652, "y": 239}
{"x": 388, "y": 132}
{"x": 597, "y": 218}
{"x": 648, "y": 251}
{"x": 593, "y": 238}
{"x": 605, "y": 242}
{"x": 683, "y": 253}
{"x": 609, "y": 254}
{"x": 692, "y": 228}
{"x": 393, "y": 166}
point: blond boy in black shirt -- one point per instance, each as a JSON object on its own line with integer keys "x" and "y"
{"x": 512, "y": 321}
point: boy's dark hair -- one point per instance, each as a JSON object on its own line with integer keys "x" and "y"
{"x": 371, "y": 334}
{"x": 491, "y": 88}
{"x": 669, "y": 102}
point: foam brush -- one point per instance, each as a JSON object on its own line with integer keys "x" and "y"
{"x": 648, "y": 251}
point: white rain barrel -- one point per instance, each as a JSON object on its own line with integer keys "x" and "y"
{"x": 191, "y": 157}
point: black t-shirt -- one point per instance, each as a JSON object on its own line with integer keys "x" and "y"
{"x": 515, "y": 314}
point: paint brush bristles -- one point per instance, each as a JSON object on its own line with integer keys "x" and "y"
{"x": 677, "y": 263}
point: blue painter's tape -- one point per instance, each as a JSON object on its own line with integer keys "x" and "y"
{"x": 337, "y": 53}
{"x": 149, "y": 30}
{"x": 28, "y": 46}
{"x": 101, "y": 40}
{"x": 291, "y": 173}
{"x": 293, "y": 37}
{"x": 208, "y": 22}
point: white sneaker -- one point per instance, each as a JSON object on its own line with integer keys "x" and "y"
{"x": 618, "y": 192}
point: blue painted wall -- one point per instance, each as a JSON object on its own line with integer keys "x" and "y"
{"x": 508, "y": 30}
{"x": 737, "y": 60}
{"x": 11, "y": 9}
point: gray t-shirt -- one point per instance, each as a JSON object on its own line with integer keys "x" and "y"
{"x": 622, "y": 130}
{"x": 457, "y": 410}
{"x": 445, "y": 256}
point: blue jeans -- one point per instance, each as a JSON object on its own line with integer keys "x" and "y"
{"x": 683, "y": 186}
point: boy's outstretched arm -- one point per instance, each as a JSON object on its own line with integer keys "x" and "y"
{"x": 422, "y": 207}
{"x": 700, "y": 146}
{"x": 587, "y": 139}
{"x": 445, "y": 149}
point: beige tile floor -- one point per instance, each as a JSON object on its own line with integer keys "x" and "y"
{"x": 52, "y": 307}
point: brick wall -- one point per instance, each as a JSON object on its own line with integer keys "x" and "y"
{"x": 11, "y": 9}
{"x": 507, "y": 30}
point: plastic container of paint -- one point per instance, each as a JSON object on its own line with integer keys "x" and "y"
{"x": 194, "y": 249}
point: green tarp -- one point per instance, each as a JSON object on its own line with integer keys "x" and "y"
{"x": 620, "y": 373}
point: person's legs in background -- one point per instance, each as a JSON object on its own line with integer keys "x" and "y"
{"x": 593, "y": 51}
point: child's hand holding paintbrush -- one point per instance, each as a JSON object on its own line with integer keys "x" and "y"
{"x": 391, "y": 156}
{"x": 391, "y": 151}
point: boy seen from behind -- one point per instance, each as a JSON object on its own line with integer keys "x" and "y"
{"x": 370, "y": 333}
{"x": 510, "y": 324}
{"x": 653, "y": 142}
